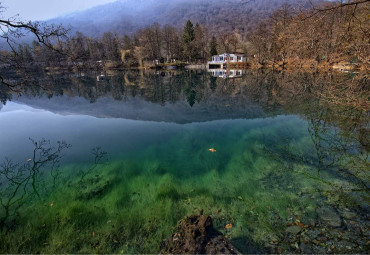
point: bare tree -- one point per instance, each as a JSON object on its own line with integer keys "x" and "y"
{"x": 19, "y": 181}
{"x": 13, "y": 29}
{"x": 339, "y": 4}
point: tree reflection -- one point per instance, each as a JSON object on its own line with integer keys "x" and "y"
{"x": 334, "y": 154}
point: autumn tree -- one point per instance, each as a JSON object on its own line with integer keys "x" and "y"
{"x": 201, "y": 42}
{"x": 260, "y": 41}
{"x": 280, "y": 20}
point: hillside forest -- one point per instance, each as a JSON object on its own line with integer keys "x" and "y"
{"x": 319, "y": 35}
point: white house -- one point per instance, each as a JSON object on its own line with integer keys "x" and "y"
{"x": 221, "y": 61}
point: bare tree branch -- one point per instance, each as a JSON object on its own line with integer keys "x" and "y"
{"x": 316, "y": 10}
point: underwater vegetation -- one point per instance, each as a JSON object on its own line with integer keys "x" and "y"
{"x": 257, "y": 179}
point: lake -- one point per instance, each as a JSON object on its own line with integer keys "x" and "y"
{"x": 138, "y": 151}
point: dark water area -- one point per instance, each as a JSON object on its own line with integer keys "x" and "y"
{"x": 259, "y": 151}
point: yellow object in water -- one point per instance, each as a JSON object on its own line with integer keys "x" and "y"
{"x": 228, "y": 226}
{"x": 212, "y": 150}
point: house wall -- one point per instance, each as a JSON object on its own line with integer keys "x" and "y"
{"x": 222, "y": 60}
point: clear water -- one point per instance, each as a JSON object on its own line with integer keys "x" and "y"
{"x": 176, "y": 144}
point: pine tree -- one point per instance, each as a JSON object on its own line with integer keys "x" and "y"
{"x": 213, "y": 46}
{"x": 187, "y": 40}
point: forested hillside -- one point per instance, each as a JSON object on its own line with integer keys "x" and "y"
{"x": 127, "y": 16}
{"x": 271, "y": 33}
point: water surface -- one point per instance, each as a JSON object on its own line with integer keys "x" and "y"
{"x": 243, "y": 150}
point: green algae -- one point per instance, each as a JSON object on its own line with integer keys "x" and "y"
{"x": 253, "y": 181}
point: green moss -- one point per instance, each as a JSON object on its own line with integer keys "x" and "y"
{"x": 131, "y": 204}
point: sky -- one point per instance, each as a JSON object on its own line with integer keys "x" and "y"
{"x": 45, "y": 9}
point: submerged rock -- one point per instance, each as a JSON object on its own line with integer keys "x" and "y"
{"x": 196, "y": 235}
{"x": 329, "y": 216}
{"x": 349, "y": 215}
{"x": 293, "y": 229}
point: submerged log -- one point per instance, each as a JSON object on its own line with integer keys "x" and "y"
{"x": 196, "y": 235}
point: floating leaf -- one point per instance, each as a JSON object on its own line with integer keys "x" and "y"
{"x": 228, "y": 226}
{"x": 240, "y": 198}
{"x": 212, "y": 150}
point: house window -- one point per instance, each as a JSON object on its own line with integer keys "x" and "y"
{"x": 239, "y": 58}
{"x": 231, "y": 58}
{"x": 221, "y": 58}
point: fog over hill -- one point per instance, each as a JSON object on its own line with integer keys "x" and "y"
{"x": 127, "y": 16}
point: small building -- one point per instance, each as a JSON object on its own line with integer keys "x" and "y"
{"x": 221, "y": 61}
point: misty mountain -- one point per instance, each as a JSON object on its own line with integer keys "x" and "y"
{"x": 127, "y": 16}
{"x": 138, "y": 108}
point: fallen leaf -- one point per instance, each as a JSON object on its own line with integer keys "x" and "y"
{"x": 93, "y": 234}
{"x": 52, "y": 204}
{"x": 228, "y": 226}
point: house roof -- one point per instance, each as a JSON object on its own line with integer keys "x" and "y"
{"x": 238, "y": 54}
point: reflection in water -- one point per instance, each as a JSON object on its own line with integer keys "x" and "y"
{"x": 226, "y": 73}
{"x": 280, "y": 157}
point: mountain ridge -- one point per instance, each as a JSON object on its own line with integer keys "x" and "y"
{"x": 128, "y": 16}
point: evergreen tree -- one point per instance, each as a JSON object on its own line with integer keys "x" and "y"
{"x": 213, "y": 46}
{"x": 187, "y": 40}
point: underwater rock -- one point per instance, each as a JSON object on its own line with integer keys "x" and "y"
{"x": 349, "y": 215}
{"x": 196, "y": 235}
{"x": 305, "y": 249}
{"x": 293, "y": 229}
{"x": 329, "y": 216}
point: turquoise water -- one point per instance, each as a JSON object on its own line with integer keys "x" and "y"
{"x": 246, "y": 162}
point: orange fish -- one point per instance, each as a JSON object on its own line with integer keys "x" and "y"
{"x": 212, "y": 150}
{"x": 228, "y": 226}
